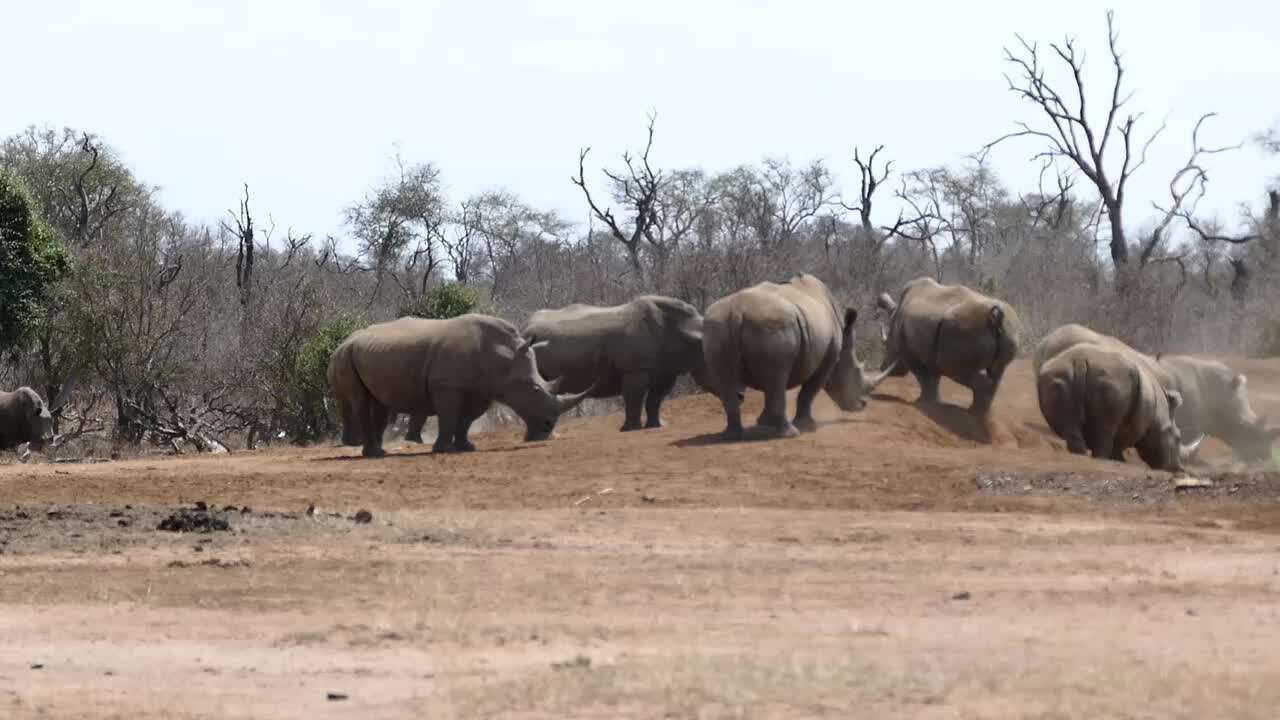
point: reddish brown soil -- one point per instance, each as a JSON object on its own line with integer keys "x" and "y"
{"x": 897, "y": 563}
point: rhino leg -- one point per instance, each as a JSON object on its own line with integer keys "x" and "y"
{"x": 984, "y": 392}
{"x": 450, "y": 406}
{"x": 804, "y": 421}
{"x": 1102, "y": 441}
{"x": 634, "y": 388}
{"x": 350, "y": 436}
{"x": 473, "y": 407}
{"x": 774, "y": 416}
{"x": 658, "y": 391}
{"x": 928, "y": 386}
{"x": 374, "y": 425}
{"x": 732, "y": 401}
{"x": 414, "y": 432}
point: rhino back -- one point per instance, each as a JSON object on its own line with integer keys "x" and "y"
{"x": 772, "y": 327}
{"x": 950, "y": 326}
{"x": 15, "y": 424}
{"x": 399, "y": 360}
{"x": 641, "y": 335}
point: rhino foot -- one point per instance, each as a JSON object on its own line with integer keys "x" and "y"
{"x": 465, "y": 446}
{"x": 373, "y": 452}
{"x": 628, "y": 427}
{"x": 442, "y": 446}
{"x": 786, "y": 430}
{"x": 806, "y": 424}
{"x": 733, "y": 434}
{"x": 654, "y": 424}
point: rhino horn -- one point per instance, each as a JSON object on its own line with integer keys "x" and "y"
{"x": 553, "y": 386}
{"x": 571, "y": 401}
{"x": 880, "y": 377}
{"x": 532, "y": 343}
{"x": 1188, "y": 450}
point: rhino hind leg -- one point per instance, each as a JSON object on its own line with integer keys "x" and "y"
{"x": 374, "y": 425}
{"x": 414, "y": 432}
{"x": 634, "y": 388}
{"x": 658, "y": 391}
{"x": 929, "y": 383}
{"x": 804, "y": 421}
{"x": 984, "y": 392}
{"x": 773, "y": 419}
{"x": 731, "y": 399}
{"x": 350, "y": 434}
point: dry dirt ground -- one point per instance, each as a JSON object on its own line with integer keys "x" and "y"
{"x": 894, "y": 564}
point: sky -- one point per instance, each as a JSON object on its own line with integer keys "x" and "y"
{"x": 310, "y": 102}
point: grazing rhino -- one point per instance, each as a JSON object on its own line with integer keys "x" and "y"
{"x": 24, "y": 418}
{"x": 936, "y": 330}
{"x": 1071, "y": 334}
{"x": 1099, "y": 397}
{"x": 1215, "y": 401}
{"x": 773, "y": 337}
{"x": 453, "y": 369}
{"x": 638, "y": 349}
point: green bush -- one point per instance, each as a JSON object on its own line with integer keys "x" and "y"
{"x": 31, "y": 260}
{"x": 310, "y": 379}
{"x": 442, "y": 302}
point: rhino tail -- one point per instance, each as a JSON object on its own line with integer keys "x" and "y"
{"x": 995, "y": 320}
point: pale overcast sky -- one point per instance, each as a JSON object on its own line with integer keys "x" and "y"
{"x": 308, "y": 102}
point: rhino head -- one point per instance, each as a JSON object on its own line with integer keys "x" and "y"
{"x": 535, "y": 400}
{"x": 36, "y": 419}
{"x": 849, "y": 384}
{"x": 1249, "y": 435}
{"x": 1178, "y": 453}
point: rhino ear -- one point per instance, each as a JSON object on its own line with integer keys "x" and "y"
{"x": 850, "y": 317}
{"x": 1175, "y": 399}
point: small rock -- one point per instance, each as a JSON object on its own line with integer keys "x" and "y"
{"x": 648, "y": 499}
{"x": 964, "y": 595}
{"x": 37, "y": 666}
{"x": 311, "y": 510}
{"x": 123, "y": 523}
{"x": 246, "y": 510}
{"x": 1191, "y": 612}
{"x": 363, "y": 517}
{"x": 201, "y": 506}
{"x": 581, "y": 661}
{"x": 115, "y": 514}
{"x": 335, "y": 696}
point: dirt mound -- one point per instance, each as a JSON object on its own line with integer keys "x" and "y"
{"x": 199, "y": 519}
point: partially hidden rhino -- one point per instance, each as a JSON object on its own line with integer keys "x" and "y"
{"x": 25, "y": 418}
{"x": 1101, "y": 398}
{"x": 453, "y": 369}
{"x": 937, "y": 331}
{"x": 645, "y": 344}
{"x": 1215, "y": 401}
{"x": 776, "y": 336}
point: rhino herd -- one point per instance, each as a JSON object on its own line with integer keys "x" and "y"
{"x": 1094, "y": 391}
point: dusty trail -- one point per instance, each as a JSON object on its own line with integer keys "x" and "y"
{"x": 892, "y": 565}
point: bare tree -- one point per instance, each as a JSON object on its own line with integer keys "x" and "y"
{"x": 243, "y": 232}
{"x": 638, "y": 189}
{"x": 1071, "y": 135}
